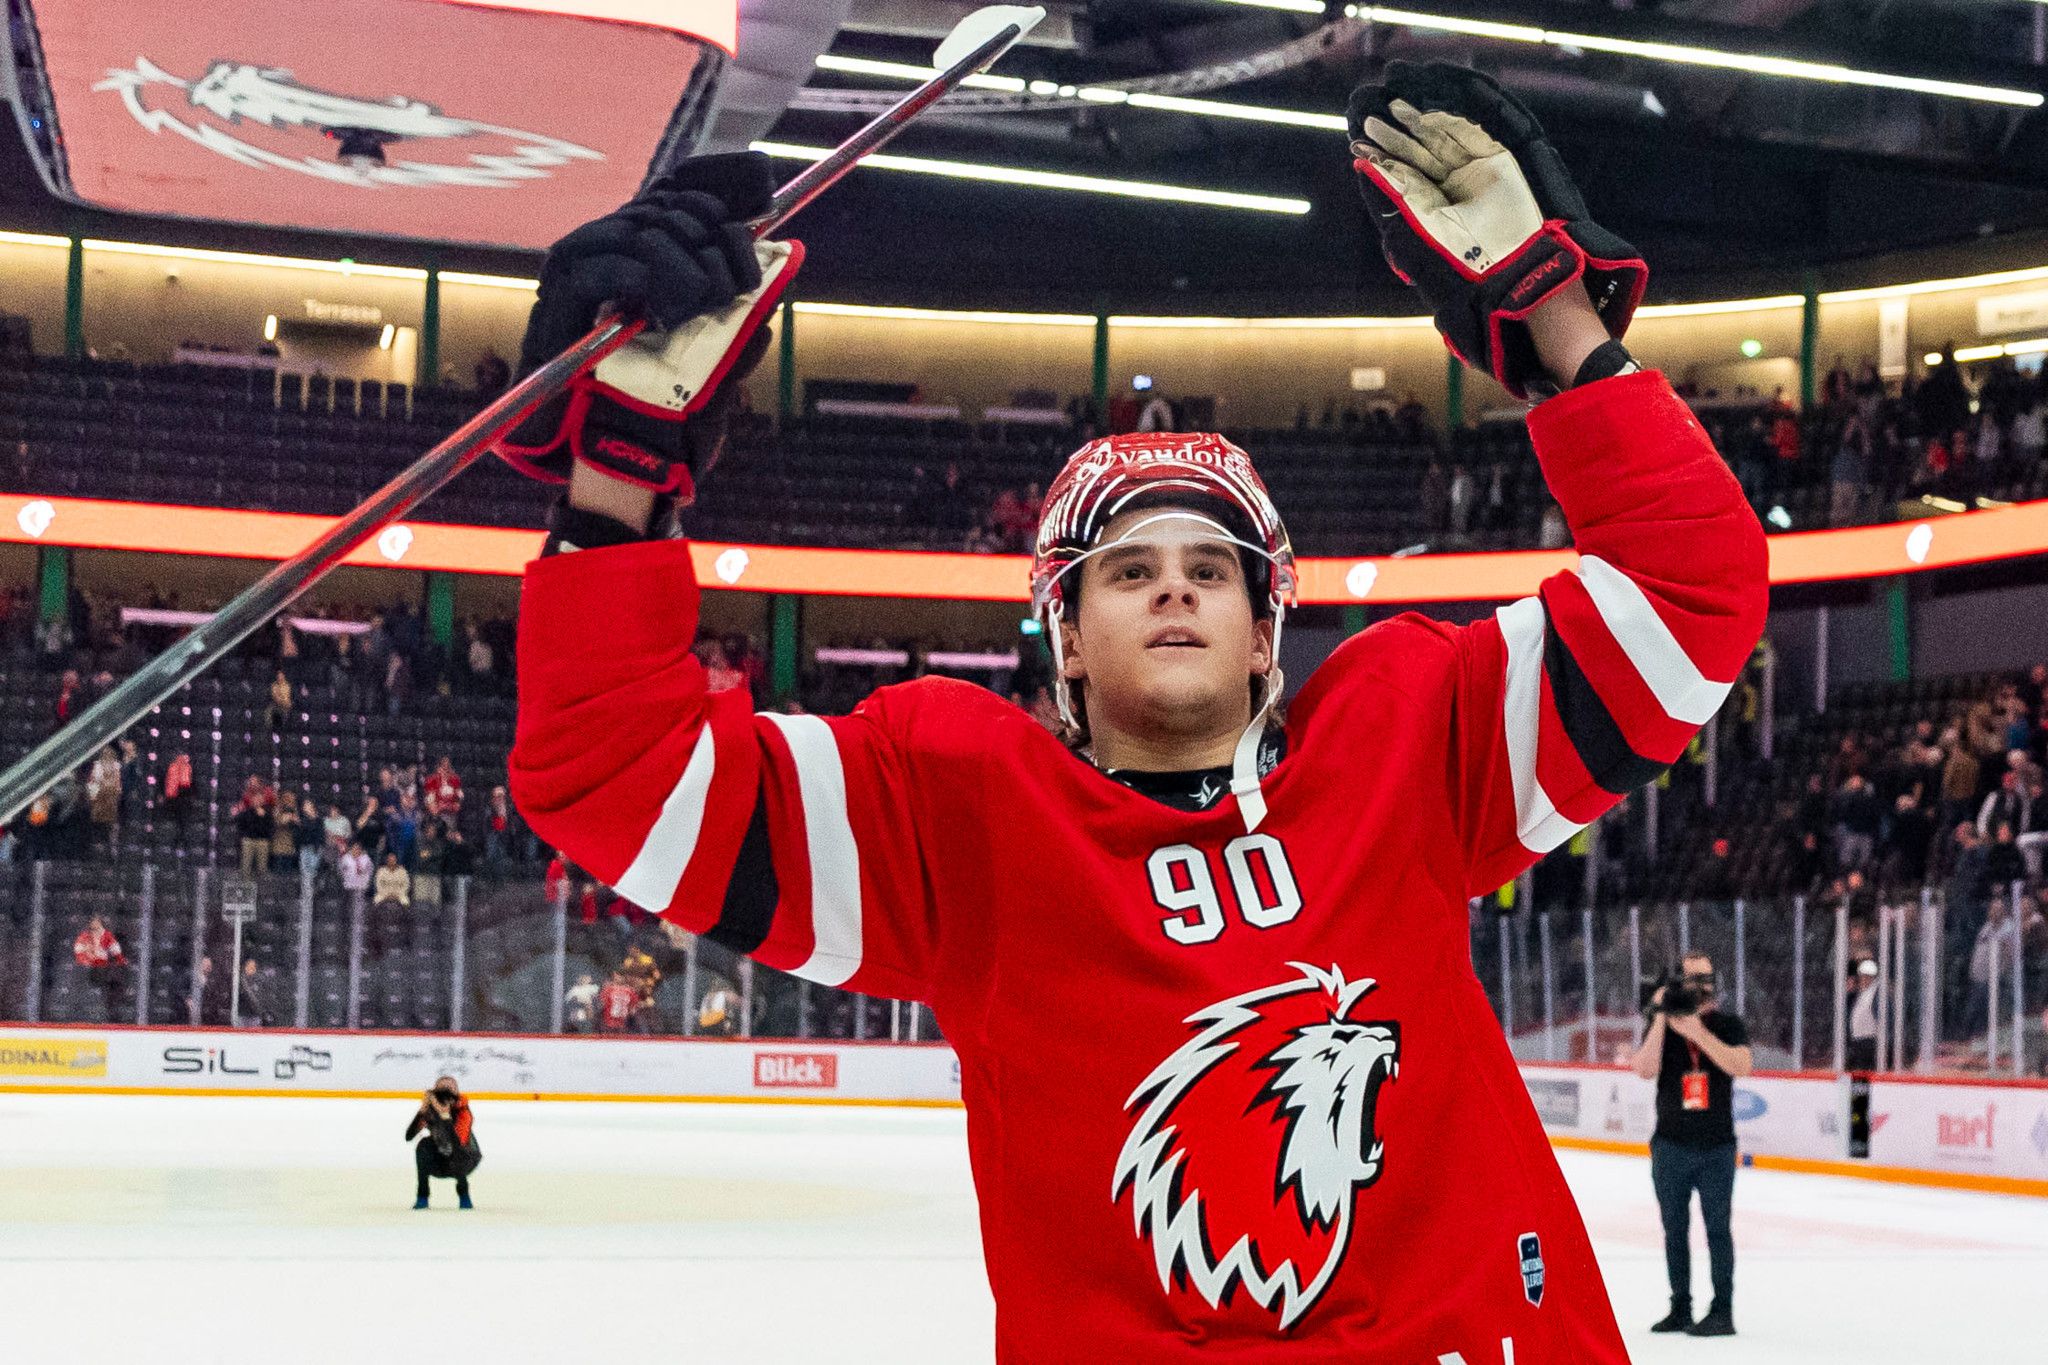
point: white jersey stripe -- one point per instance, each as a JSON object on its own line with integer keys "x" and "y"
{"x": 651, "y": 879}
{"x": 1671, "y": 675}
{"x": 835, "y": 859}
{"x": 1537, "y": 822}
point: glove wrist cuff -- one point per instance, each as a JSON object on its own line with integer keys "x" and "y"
{"x": 576, "y": 528}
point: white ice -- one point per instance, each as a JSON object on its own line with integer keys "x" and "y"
{"x": 179, "y": 1231}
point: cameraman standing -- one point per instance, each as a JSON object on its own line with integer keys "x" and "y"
{"x": 448, "y": 1146}
{"x": 1694, "y": 1052}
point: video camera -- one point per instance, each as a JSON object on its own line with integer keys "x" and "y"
{"x": 1683, "y": 993}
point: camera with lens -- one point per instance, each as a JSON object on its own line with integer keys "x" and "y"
{"x": 1683, "y": 995}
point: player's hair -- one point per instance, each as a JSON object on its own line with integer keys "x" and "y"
{"x": 1257, "y": 578}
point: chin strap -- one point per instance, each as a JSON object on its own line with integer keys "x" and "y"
{"x": 1244, "y": 763}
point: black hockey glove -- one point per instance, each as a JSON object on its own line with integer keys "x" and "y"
{"x": 1476, "y": 211}
{"x": 655, "y": 411}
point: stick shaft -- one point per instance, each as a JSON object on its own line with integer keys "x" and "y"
{"x": 101, "y": 723}
{"x": 820, "y": 174}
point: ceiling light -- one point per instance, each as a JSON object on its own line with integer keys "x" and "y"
{"x": 1302, "y": 6}
{"x": 1096, "y": 94}
{"x": 1053, "y": 180}
{"x": 905, "y": 71}
{"x": 1752, "y": 63}
{"x": 385, "y": 338}
{"x": 270, "y": 327}
{"x": 1993, "y": 350}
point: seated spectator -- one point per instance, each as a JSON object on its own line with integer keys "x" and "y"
{"x": 498, "y": 831}
{"x": 99, "y": 953}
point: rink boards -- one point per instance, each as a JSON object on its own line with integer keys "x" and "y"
{"x": 1989, "y": 1135}
{"x": 198, "y": 1061}
{"x": 1971, "y": 1134}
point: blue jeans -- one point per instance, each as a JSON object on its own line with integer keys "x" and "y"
{"x": 1676, "y": 1170}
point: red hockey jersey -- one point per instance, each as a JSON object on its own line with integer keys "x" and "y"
{"x": 1230, "y": 1096}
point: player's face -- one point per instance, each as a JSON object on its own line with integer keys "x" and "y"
{"x": 1165, "y": 640}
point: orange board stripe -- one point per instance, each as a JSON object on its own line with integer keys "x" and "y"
{"x": 1803, "y": 557}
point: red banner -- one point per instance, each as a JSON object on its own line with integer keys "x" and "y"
{"x": 440, "y": 121}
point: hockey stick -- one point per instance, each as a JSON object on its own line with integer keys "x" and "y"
{"x": 973, "y": 46}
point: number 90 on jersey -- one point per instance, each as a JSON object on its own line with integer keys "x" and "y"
{"x": 1187, "y": 887}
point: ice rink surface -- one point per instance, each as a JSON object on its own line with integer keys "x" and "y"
{"x": 173, "y": 1231}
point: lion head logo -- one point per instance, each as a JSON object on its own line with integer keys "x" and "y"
{"x": 1252, "y": 1139}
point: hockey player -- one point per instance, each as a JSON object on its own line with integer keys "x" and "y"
{"x": 1233, "y": 1091}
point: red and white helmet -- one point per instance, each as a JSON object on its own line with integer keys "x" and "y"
{"x": 1195, "y": 472}
{"x": 1199, "y": 477}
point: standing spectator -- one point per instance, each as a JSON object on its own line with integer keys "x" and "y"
{"x": 343, "y": 674}
{"x": 402, "y": 831}
{"x": 370, "y": 825}
{"x": 1959, "y": 778}
{"x": 444, "y": 788}
{"x": 1464, "y": 497}
{"x": 207, "y": 1005}
{"x": 132, "y": 785}
{"x": 498, "y": 835}
{"x": 2029, "y": 435}
{"x": 355, "y": 868}
{"x": 1997, "y": 936}
{"x": 254, "y": 825}
{"x": 456, "y": 858}
{"x": 615, "y": 1004}
{"x": 1864, "y": 995}
{"x": 1908, "y": 839}
{"x": 99, "y": 953}
{"x": 252, "y": 1005}
{"x": 103, "y": 796}
{"x": 393, "y": 903}
{"x": 1856, "y": 814}
{"x": 177, "y": 800}
{"x": 309, "y": 836}
{"x": 581, "y": 1000}
{"x": 340, "y": 832}
{"x": 281, "y": 703}
{"x": 479, "y": 659}
{"x": 2003, "y": 864}
{"x": 284, "y": 834}
{"x": 554, "y": 883}
{"x": 67, "y": 696}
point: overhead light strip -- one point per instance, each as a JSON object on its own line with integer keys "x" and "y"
{"x": 1053, "y": 180}
{"x": 864, "y": 310}
{"x": 1749, "y": 63}
{"x": 488, "y": 281}
{"x": 33, "y": 239}
{"x": 1907, "y": 290}
{"x": 1992, "y": 351}
{"x": 182, "y": 253}
{"x": 1095, "y": 94}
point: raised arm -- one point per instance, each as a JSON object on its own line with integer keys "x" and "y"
{"x": 1567, "y": 700}
{"x": 790, "y": 838}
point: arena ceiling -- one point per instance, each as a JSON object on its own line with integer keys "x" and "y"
{"x": 1727, "y": 175}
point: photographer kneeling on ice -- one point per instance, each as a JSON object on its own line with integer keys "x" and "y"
{"x": 448, "y": 1147}
{"x": 1694, "y": 1052}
